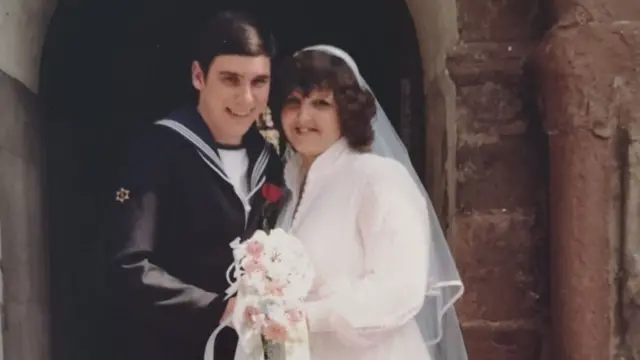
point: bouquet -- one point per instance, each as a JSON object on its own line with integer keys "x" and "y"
{"x": 272, "y": 274}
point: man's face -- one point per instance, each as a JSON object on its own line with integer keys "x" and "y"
{"x": 233, "y": 94}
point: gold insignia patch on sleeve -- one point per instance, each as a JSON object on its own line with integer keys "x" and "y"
{"x": 122, "y": 194}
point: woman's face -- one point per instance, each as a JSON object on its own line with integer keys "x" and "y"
{"x": 311, "y": 123}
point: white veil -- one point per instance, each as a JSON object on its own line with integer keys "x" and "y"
{"x": 437, "y": 319}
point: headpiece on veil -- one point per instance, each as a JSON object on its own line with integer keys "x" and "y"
{"x": 437, "y": 319}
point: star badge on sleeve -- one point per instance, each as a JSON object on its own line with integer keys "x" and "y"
{"x": 122, "y": 194}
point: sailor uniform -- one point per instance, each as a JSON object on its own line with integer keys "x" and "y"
{"x": 180, "y": 201}
{"x": 235, "y": 163}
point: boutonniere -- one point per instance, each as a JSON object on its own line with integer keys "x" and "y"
{"x": 271, "y": 193}
{"x": 273, "y": 198}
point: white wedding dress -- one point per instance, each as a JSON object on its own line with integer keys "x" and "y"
{"x": 363, "y": 222}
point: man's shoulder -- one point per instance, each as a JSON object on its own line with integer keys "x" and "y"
{"x": 152, "y": 148}
{"x": 154, "y": 137}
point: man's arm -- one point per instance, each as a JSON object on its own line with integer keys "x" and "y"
{"x": 147, "y": 289}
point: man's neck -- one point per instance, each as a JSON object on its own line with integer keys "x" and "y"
{"x": 217, "y": 134}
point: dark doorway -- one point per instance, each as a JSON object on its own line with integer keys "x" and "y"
{"x": 110, "y": 67}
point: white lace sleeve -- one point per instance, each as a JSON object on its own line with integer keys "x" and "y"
{"x": 393, "y": 221}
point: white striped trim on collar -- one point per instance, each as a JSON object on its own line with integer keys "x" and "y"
{"x": 212, "y": 159}
{"x": 257, "y": 174}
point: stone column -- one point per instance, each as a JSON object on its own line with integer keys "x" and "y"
{"x": 25, "y": 292}
{"x": 587, "y": 69}
{"x": 631, "y": 244}
{"x": 24, "y": 261}
{"x": 499, "y": 235}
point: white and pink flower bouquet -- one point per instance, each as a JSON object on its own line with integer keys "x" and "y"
{"x": 270, "y": 277}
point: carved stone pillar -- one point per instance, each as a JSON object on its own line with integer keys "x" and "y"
{"x": 588, "y": 68}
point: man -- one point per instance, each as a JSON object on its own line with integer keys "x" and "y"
{"x": 191, "y": 185}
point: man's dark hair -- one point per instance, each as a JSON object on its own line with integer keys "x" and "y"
{"x": 233, "y": 33}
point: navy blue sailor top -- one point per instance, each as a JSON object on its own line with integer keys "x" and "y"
{"x": 174, "y": 215}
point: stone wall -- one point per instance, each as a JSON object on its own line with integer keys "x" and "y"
{"x": 500, "y": 237}
{"x": 24, "y": 259}
{"x": 25, "y": 298}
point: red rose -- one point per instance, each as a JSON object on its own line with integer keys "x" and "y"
{"x": 271, "y": 193}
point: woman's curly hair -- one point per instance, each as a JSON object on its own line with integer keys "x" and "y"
{"x": 316, "y": 70}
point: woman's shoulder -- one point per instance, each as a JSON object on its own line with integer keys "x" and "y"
{"x": 379, "y": 170}
{"x": 386, "y": 180}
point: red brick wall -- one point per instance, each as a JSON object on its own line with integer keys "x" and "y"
{"x": 500, "y": 232}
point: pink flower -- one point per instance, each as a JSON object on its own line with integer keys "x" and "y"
{"x": 253, "y": 265}
{"x": 254, "y": 248}
{"x": 274, "y": 288}
{"x": 250, "y": 312}
{"x": 294, "y": 315}
{"x": 274, "y": 332}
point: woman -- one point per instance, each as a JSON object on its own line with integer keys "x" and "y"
{"x": 386, "y": 279}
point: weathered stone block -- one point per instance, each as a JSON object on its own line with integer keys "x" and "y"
{"x": 498, "y": 20}
{"x": 494, "y": 343}
{"x": 573, "y": 12}
{"x": 500, "y": 262}
{"x": 491, "y": 109}
{"x": 503, "y": 175}
{"x": 474, "y": 64}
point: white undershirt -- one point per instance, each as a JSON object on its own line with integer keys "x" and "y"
{"x": 236, "y": 163}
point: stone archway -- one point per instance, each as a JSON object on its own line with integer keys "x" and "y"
{"x": 75, "y": 136}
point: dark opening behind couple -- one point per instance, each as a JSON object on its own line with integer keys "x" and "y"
{"x": 191, "y": 185}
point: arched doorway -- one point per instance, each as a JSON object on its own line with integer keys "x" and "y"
{"x": 110, "y": 67}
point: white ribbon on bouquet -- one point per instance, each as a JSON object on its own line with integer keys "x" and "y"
{"x": 250, "y": 290}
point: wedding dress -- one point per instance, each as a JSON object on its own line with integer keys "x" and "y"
{"x": 363, "y": 222}
{"x": 386, "y": 279}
